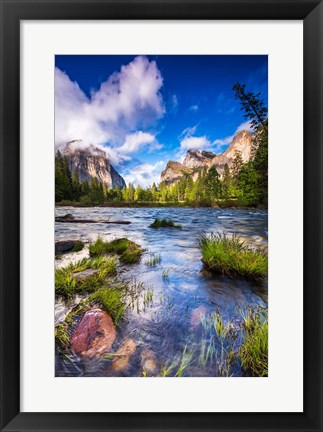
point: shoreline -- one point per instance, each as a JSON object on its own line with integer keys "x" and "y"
{"x": 156, "y": 205}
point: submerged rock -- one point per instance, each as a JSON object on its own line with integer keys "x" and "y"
{"x": 67, "y": 217}
{"x": 149, "y": 362}
{"x": 68, "y": 246}
{"x": 94, "y": 335}
{"x": 197, "y": 315}
{"x": 122, "y": 356}
{"x": 85, "y": 274}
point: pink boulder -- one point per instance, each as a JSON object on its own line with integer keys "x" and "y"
{"x": 94, "y": 335}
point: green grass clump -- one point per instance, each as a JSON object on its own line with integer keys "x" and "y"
{"x": 67, "y": 285}
{"x": 62, "y": 336}
{"x": 232, "y": 257}
{"x": 131, "y": 255}
{"x": 185, "y": 361}
{"x": 154, "y": 260}
{"x": 78, "y": 246}
{"x": 165, "y": 274}
{"x": 112, "y": 299}
{"x": 253, "y": 353}
{"x": 164, "y": 223}
{"x": 129, "y": 251}
{"x": 77, "y": 310}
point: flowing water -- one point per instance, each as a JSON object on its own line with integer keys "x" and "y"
{"x": 182, "y": 290}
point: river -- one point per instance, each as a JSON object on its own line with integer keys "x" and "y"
{"x": 182, "y": 289}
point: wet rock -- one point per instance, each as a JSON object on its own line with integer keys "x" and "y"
{"x": 85, "y": 274}
{"x": 67, "y": 217}
{"x": 68, "y": 246}
{"x": 94, "y": 335}
{"x": 149, "y": 362}
{"x": 197, "y": 315}
{"x": 122, "y": 356}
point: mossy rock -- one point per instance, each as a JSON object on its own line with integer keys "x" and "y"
{"x": 65, "y": 246}
{"x": 165, "y": 223}
{"x": 129, "y": 251}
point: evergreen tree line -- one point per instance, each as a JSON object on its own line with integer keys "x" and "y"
{"x": 246, "y": 183}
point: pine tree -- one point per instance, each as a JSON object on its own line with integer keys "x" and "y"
{"x": 63, "y": 181}
{"x": 256, "y": 111}
{"x": 131, "y": 192}
{"x": 85, "y": 189}
{"x": 249, "y": 192}
{"x": 252, "y": 105}
{"x": 154, "y": 192}
{"x": 118, "y": 194}
{"x": 76, "y": 187}
{"x": 227, "y": 183}
{"x": 189, "y": 188}
{"x": 125, "y": 194}
{"x": 213, "y": 184}
{"x": 237, "y": 164}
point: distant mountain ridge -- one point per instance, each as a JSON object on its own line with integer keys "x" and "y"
{"x": 196, "y": 160}
{"x": 90, "y": 161}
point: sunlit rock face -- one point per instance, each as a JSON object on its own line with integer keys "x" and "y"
{"x": 174, "y": 171}
{"x": 90, "y": 161}
{"x": 242, "y": 142}
{"x": 196, "y": 160}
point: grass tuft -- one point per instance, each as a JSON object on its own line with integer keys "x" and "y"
{"x": 184, "y": 362}
{"x": 165, "y": 273}
{"x": 153, "y": 260}
{"x": 62, "y": 336}
{"x": 78, "y": 246}
{"x": 129, "y": 251}
{"x": 67, "y": 284}
{"x": 112, "y": 299}
{"x": 230, "y": 256}
{"x": 164, "y": 223}
{"x": 253, "y": 353}
{"x": 131, "y": 255}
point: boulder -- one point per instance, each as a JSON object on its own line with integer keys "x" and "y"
{"x": 197, "y": 315}
{"x": 67, "y": 217}
{"x": 149, "y": 362}
{"x": 68, "y": 246}
{"x": 122, "y": 356}
{"x": 94, "y": 335}
{"x": 85, "y": 274}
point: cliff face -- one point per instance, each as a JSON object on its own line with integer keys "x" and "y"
{"x": 196, "y": 160}
{"x": 241, "y": 142}
{"x": 90, "y": 161}
{"x": 174, "y": 171}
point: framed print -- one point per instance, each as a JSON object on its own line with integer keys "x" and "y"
{"x": 161, "y": 215}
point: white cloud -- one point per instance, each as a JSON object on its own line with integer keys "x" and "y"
{"x": 144, "y": 174}
{"x": 137, "y": 141}
{"x": 194, "y": 108}
{"x": 190, "y": 142}
{"x": 127, "y": 101}
{"x": 227, "y": 140}
{"x": 194, "y": 143}
{"x": 223, "y": 141}
{"x": 187, "y": 132}
{"x": 174, "y": 102}
{"x": 245, "y": 126}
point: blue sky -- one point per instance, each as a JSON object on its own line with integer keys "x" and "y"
{"x": 146, "y": 110}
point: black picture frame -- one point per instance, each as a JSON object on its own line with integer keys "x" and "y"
{"x": 12, "y": 12}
